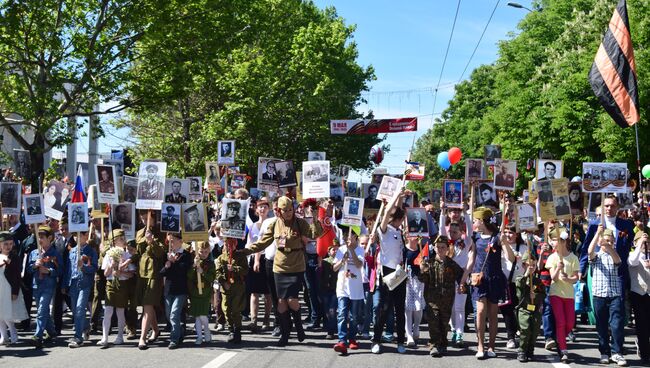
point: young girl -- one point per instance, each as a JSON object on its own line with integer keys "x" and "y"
{"x": 414, "y": 293}
{"x": 200, "y": 303}
{"x": 512, "y": 271}
{"x": 12, "y": 307}
{"x": 563, "y": 266}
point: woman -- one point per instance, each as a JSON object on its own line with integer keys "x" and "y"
{"x": 256, "y": 283}
{"x": 12, "y": 307}
{"x": 488, "y": 281}
{"x": 639, "y": 263}
{"x": 289, "y": 233}
{"x": 512, "y": 270}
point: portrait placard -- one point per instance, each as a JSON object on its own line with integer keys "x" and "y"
{"x": 124, "y": 218}
{"x": 10, "y": 197}
{"x": 315, "y": 179}
{"x": 370, "y": 191}
{"x": 55, "y": 199}
{"x": 226, "y": 153}
{"x": 526, "y": 217}
{"x": 417, "y": 221}
{"x": 550, "y": 169}
{"x": 316, "y": 156}
{"x": 177, "y": 190}
{"x": 194, "y": 222}
{"x": 474, "y": 170}
{"x": 129, "y": 189}
{"x": 352, "y": 211}
{"x": 212, "y": 176}
{"x": 106, "y": 184}
{"x": 34, "y": 208}
{"x": 267, "y": 175}
{"x": 23, "y": 164}
{"x": 119, "y": 166}
{"x": 238, "y": 181}
{"x": 195, "y": 193}
{"x": 505, "y": 172}
{"x": 286, "y": 174}
{"x": 491, "y": 153}
{"x": 151, "y": 185}
{"x": 595, "y": 200}
{"x": 344, "y": 171}
{"x": 389, "y": 187}
{"x": 435, "y": 196}
{"x": 352, "y": 188}
{"x": 414, "y": 171}
{"x": 625, "y": 200}
{"x": 453, "y": 193}
{"x": 576, "y": 198}
{"x": 553, "y": 196}
{"x": 78, "y": 217}
{"x": 97, "y": 210}
{"x": 233, "y": 218}
{"x": 171, "y": 218}
{"x": 604, "y": 177}
{"x": 486, "y": 195}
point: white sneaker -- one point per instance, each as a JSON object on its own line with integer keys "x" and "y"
{"x": 604, "y": 359}
{"x": 511, "y": 344}
{"x": 198, "y": 341}
{"x": 103, "y": 343}
{"x": 619, "y": 360}
{"x": 118, "y": 340}
{"x": 480, "y": 355}
{"x": 375, "y": 349}
{"x": 491, "y": 354}
{"x": 401, "y": 349}
{"x": 410, "y": 343}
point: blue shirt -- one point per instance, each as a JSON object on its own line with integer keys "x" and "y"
{"x": 605, "y": 282}
{"x": 54, "y": 265}
{"x": 85, "y": 275}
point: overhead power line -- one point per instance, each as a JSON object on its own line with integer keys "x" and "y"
{"x": 479, "y": 40}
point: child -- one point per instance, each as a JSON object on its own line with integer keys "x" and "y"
{"x": 175, "y": 272}
{"x": 440, "y": 276}
{"x": 529, "y": 308}
{"x": 327, "y": 290}
{"x": 200, "y": 303}
{"x": 231, "y": 270}
{"x": 349, "y": 289}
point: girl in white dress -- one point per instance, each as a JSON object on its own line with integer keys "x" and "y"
{"x": 12, "y": 307}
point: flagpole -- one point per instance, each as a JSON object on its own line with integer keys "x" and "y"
{"x": 638, "y": 167}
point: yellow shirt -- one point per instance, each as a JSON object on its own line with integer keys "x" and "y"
{"x": 560, "y": 288}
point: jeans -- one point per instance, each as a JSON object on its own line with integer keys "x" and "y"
{"x": 311, "y": 278}
{"x": 391, "y": 301}
{"x": 347, "y": 315}
{"x": 44, "y": 322}
{"x": 609, "y": 316}
{"x": 329, "y": 304}
{"x": 369, "y": 310}
{"x": 79, "y": 305}
{"x": 641, "y": 305}
{"x": 390, "y": 319}
{"x": 548, "y": 320}
{"x": 508, "y": 312}
{"x": 174, "y": 306}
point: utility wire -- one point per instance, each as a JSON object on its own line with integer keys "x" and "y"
{"x": 479, "y": 40}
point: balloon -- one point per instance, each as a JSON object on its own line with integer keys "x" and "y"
{"x": 646, "y": 171}
{"x": 454, "y": 155}
{"x": 576, "y": 179}
{"x": 376, "y": 154}
{"x": 443, "y": 160}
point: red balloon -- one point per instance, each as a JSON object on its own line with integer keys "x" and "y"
{"x": 454, "y": 155}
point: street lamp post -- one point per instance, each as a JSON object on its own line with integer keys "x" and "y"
{"x": 519, "y": 6}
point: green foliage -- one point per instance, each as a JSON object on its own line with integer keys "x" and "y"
{"x": 536, "y": 96}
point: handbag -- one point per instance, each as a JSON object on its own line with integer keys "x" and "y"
{"x": 475, "y": 278}
{"x": 395, "y": 278}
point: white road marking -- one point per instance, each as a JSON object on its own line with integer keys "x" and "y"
{"x": 220, "y": 360}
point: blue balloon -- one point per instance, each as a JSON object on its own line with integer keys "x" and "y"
{"x": 443, "y": 160}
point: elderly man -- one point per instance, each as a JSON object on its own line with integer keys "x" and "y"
{"x": 151, "y": 188}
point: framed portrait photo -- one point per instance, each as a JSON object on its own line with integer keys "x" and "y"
{"x": 177, "y": 190}
{"x": 453, "y": 193}
{"x": 124, "y": 218}
{"x": 151, "y": 185}
{"x": 106, "y": 184}
{"x": 194, "y": 222}
{"x": 485, "y": 195}
{"x": 549, "y": 169}
{"x": 34, "y": 208}
{"x": 416, "y": 219}
{"x": 171, "y": 218}
{"x": 10, "y": 196}
{"x": 352, "y": 211}
{"x": 505, "y": 174}
{"x": 286, "y": 174}
{"x": 212, "y": 176}
{"x": 233, "y": 218}
{"x": 389, "y": 187}
{"x": 226, "y": 152}
{"x": 78, "y": 217}
{"x": 491, "y": 153}
{"x": 474, "y": 170}
{"x": 316, "y": 156}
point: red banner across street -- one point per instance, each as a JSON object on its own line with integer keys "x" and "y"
{"x": 374, "y": 126}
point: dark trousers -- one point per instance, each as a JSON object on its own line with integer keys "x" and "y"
{"x": 548, "y": 320}
{"x": 438, "y": 315}
{"x": 609, "y": 317}
{"x": 389, "y": 301}
{"x": 28, "y": 298}
{"x": 641, "y": 307}
{"x": 57, "y": 310}
{"x": 96, "y": 310}
{"x": 509, "y": 315}
{"x": 311, "y": 278}
{"x": 270, "y": 283}
{"x": 529, "y": 325}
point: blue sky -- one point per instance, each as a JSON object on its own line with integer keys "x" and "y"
{"x": 405, "y": 41}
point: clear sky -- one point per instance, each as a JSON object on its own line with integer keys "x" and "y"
{"x": 405, "y": 41}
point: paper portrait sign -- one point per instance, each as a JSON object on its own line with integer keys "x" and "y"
{"x": 344, "y": 171}
{"x": 129, "y": 189}
{"x": 474, "y": 170}
{"x": 389, "y": 187}
{"x": 625, "y": 200}
{"x": 233, "y": 218}
{"x": 97, "y": 210}
{"x": 124, "y": 218}
{"x": 232, "y": 169}
{"x": 315, "y": 179}
{"x": 525, "y": 195}
{"x": 34, "y": 208}
{"x": 55, "y": 199}
{"x": 106, "y": 184}
{"x": 337, "y": 191}
{"x": 414, "y": 171}
{"x": 78, "y": 217}
{"x": 226, "y": 153}
{"x": 549, "y": 169}
{"x": 352, "y": 189}
{"x": 118, "y": 164}
{"x": 151, "y": 185}
{"x": 604, "y": 177}
{"x": 267, "y": 174}
{"x": 526, "y": 217}
{"x": 299, "y": 187}
{"x": 417, "y": 221}
{"x": 286, "y": 174}
{"x": 22, "y": 164}
{"x": 485, "y": 195}
{"x": 212, "y": 176}
{"x": 238, "y": 181}
{"x": 553, "y": 196}
{"x": 593, "y": 205}
{"x": 194, "y": 222}
{"x": 316, "y": 156}
{"x": 352, "y": 211}
{"x": 491, "y": 153}
{"x": 505, "y": 172}
{"x": 453, "y": 193}
{"x": 195, "y": 190}
{"x": 177, "y": 190}
{"x": 435, "y": 196}
{"x": 170, "y": 218}
{"x": 10, "y": 196}
{"x": 576, "y": 198}
{"x": 532, "y": 192}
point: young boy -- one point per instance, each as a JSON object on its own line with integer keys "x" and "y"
{"x": 232, "y": 268}
{"x": 440, "y": 276}
{"x": 348, "y": 262}
{"x": 529, "y": 309}
{"x": 327, "y": 290}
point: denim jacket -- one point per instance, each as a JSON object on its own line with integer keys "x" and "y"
{"x": 84, "y": 276}
{"x": 54, "y": 264}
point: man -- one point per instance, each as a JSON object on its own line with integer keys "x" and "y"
{"x": 561, "y": 207}
{"x": 34, "y": 207}
{"x": 175, "y": 196}
{"x": 475, "y": 168}
{"x": 354, "y": 207}
{"x": 213, "y": 175}
{"x": 170, "y": 221}
{"x": 417, "y": 224}
{"x": 23, "y": 168}
{"x": 270, "y": 174}
{"x": 545, "y": 194}
{"x": 106, "y": 185}
{"x": 9, "y": 199}
{"x": 371, "y": 200}
{"x": 193, "y": 219}
{"x": 151, "y": 188}
{"x": 452, "y": 194}
{"x": 549, "y": 171}
{"x": 504, "y": 178}
{"x": 289, "y": 177}
{"x": 129, "y": 194}
{"x": 121, "y": 217}
{"x": 226, "y": 149}
{"x": 233, "y": 221}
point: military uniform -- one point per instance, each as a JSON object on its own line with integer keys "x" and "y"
{"x": 150, "y": 260}
{"x": 529, "y": 313}
{"x": 233, "y": 298}
{"x": 440, "y": 279}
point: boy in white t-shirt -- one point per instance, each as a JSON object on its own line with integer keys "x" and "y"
{"x": 348, "y": 262}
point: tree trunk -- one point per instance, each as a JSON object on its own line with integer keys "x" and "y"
{"x": 36, "y": 154}
{"x": 187, "y": 123}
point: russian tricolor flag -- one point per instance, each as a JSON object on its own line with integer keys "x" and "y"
{"x": 78, "y": 194}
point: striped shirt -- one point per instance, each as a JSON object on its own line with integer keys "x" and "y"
{"x": 604, "y": 281}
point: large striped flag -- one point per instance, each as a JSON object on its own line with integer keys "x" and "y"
{"x": 613, "y": 73}
{"x": 78, "y": 194}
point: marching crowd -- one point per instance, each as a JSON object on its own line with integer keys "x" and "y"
{"x": 375, "y": 282}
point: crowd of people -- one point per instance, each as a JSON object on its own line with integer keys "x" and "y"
{"x": 375, "y": 282}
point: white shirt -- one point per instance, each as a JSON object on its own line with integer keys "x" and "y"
{"x": 390, "y": 254}
{"x": 349, "y": 283}
{"x": 269, "y": 252}
{"x": 506, "y": 265}
{"x": 108, "y": 263}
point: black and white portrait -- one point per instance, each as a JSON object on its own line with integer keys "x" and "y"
{"x": 486, "y": 196}
{"x": 118, "y": 164}
{"x": 286, "y": 174}
{"x": 453, "y": 192}
{"x": 562, "y": 206}
{"x": 549, "y": 169}
{"x": 604, "y": 177}
{"x": 370, "y": 192}
{"x": 315, "y": 156}
{"x": 55, "y": 199}
{"x": 625, "y": 200}
{"x": 576, "y": 199}
{"x": 10, "y": 197}
{"x": 33, "y": 204}
{"x": 316, "y": 179}
{"x": 435, "y": 196}
{"x": 417, "y": 221}
{"x": 129, "y": 189}
{"x": 212, "y": 175}
{"x": 194, "y": 217}
{"x": 124, "y": 218}
{"x": 23, "y": 164}
{"x": 78, "y": 217}
{"x": 177, "y": 190}
{"x": 106, "y": 184}
{"x": 389, "y": 187}
{"x": 170, "y": 218}
{"x": 474, "y": 170}
{"x": 151, "y": 184}
{"x": 344, "y": 171}
{"x": 226, "y": 153}
{"x": 526, "y": 216}
{"x": 593, "y": 205}
{"x": 505, "y": 174}
{"x": 492, "y": 152}
{"x": 233, "y": 218}
{"x": 545, "y": 191}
